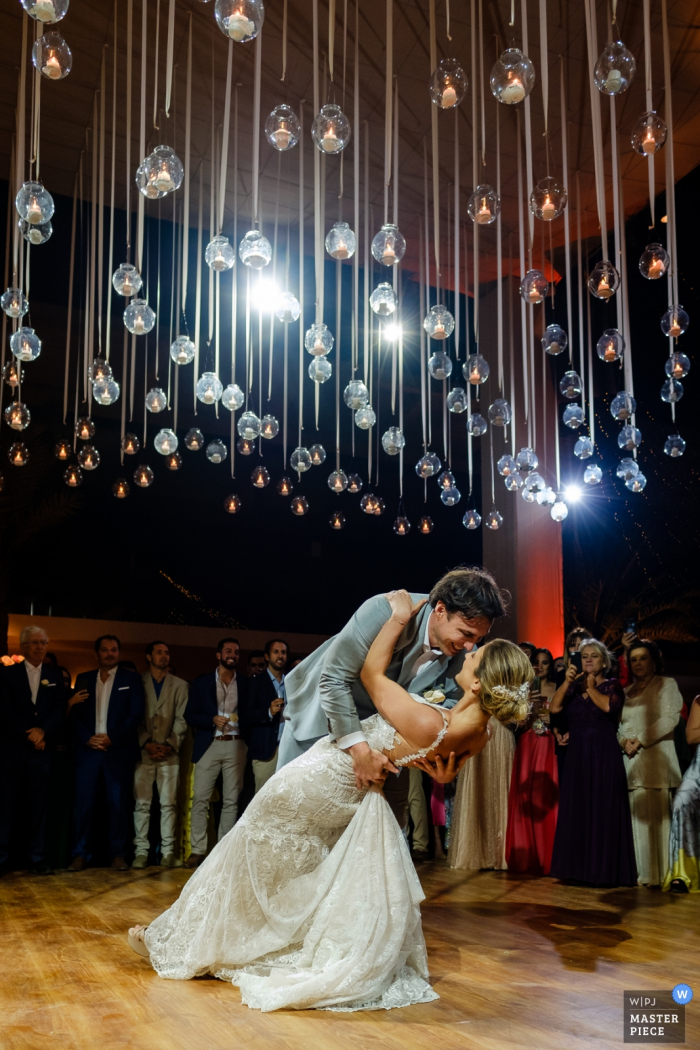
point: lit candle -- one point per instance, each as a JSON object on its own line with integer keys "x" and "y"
{"x": 675, "y": 329}
{"x": 329, "y": 142}
{"x": 341, "y": 251}
{"x": 439, "y": 332}
{"x": 484, "y": 214}
{"x": 610, "y": 354}
{"x": 163, "y": 181}
{"x": 604, "y": 289}
{"x": 614, "y": 82}
{"x": 389, "y": 255}
{"x": 534, "y": 296}
{"x": 554, "y": 347}
{"x": 656, "y": 269}
{"x": 649, "y": 142}
{"x": 239, "y": 27}
{"x": 282, "y": 137}
{"x": 548, "y": 208}
{"x": 35, "y": 236}
{"x": 513, "y": 92}
{"x": 449, "y": 97}
{"x": 43, "y": 11}
{"x": 319, "y": 349}
{"x": 34, "y": 212}
{"x": 474, "y": 377}
{"x": 678, "y": 370}
{"x": 218, "y": 262}
{"x": 139, "y": 327}
{"x": 127, "y": 288}
{"x": 52, "y": 69}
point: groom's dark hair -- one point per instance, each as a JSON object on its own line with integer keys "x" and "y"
{"x": 471, "y": 591}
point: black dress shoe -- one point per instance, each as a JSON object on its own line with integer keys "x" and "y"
{"x": 41, "y": 868}
{"x": 678, "y": 886}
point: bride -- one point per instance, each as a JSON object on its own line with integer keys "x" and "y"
{"x": 311, "y": 901}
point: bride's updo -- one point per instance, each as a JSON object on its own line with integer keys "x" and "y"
{"x": 505, "y": 673}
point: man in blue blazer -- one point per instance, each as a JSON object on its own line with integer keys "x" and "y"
{"x": 105, "y": 722}
{"x": 260, "y": 713}
{"x": 32, "y": 708}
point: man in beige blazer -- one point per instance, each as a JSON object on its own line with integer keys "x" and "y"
{"x": 160, "y": 735}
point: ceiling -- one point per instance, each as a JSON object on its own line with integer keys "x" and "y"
{"x": 67, "y": 106}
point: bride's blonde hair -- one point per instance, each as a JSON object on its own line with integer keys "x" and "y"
{"x": 505, "y": 673}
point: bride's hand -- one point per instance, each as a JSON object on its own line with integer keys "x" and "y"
{"x": 402, "y": 607}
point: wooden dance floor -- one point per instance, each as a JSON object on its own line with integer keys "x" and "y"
{"x": 517, "y": 963}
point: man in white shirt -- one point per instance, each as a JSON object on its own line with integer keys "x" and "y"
{"x": 261, "y": 715}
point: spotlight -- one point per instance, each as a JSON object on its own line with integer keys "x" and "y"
{"x": 264, "y": 295}
{"x": 392, "y": 332}
{"x": 572, "y": 493}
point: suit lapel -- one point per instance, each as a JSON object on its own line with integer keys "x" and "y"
{"x": 413, "y": 651}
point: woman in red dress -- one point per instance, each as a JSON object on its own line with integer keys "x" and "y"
{"x": 533, "y": 800}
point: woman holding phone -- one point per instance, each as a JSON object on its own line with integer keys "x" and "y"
{"x": 593, "y": 843}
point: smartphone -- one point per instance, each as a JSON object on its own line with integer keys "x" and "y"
{"x": 630, "y": 627}
{"x": 535, "y": 685}
{"x": 577, "y": 661}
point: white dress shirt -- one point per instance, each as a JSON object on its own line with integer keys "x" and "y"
{"x": 103, "y": 691}
{"x": 281, "y": 695}
{"x": 34, "y": 676}
{"x": 227, "y": 704}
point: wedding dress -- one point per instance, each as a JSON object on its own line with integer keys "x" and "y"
{"x": 311, "y": 901}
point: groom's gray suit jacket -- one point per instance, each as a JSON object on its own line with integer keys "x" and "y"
{"x": 324, "y": 692}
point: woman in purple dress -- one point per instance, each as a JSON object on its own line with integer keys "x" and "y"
{"x": 593, "y": 842}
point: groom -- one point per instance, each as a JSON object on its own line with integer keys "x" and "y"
{"x": 325, "y": 694}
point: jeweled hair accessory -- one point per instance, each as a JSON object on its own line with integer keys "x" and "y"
{"x": 506, "y": 692}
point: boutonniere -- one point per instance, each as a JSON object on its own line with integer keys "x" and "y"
{"x": 44, "y": 681}
{"x": 434, "y": 695}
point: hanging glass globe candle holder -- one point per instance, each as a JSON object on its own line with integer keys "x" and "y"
{"x": 389, "y": 245}
{"x": 239, "y": 20}
{"x": 534, "y": 287}
{"x": 52, "y": 56}
{"x": 260, "y": 477}
{"x": 368, "y": 503}
{"x": 548, "y": 199}
{"x": 18, "y": 415}
{"x": 341, "y": 242}
{"x": 14, "y": 303}
{"x": 512, "y": 77}
{"x": 62, "y": 450}
{"x": 450, "y": 496}
{"x": 527, "y": 459}
{"x": 18, "y": 454}
{"x": 248, "y": 426}
{"x": 99, "y": 370}
{"x": 130, "y": 444}
{"x": 255, "y": 250}
{"x": 476, "y": 369}
{"x": 282, "y": 129}
{"x": 477, "y": 425}
{"x": 637, "y": 484}
{"x": 219, "y": 255}
{"x": 143, "y": 476}
{"x": 514, "y": 482}
{"x": 439, "y": 322}
{"x": 126, "y": 280}
{"x": 330, "y": 129}
{"x": 165, "y": 442}
{"x": 299, "y": 506}
{"x": 425, "y": 526}
{"x": 500, "y": 413}
{"x": 559, "y": 510}
{"x": 649, "y": 134}
{"x": 573, "y": 416}
{"x": 674, "y": 446}
{"x": 182, "y": 350}
{"x": 402, "y": 525}
{"x": 677, "y": 365}
{"x": 284, "y": 486}
{"x": 12, "y": 374}
{"x": 611, "y": 345}
{"x": 139, "y": 318}
{"x": 233, "y": 397}
{"x": 546, "y": 497}
{"x": 672, "y": 390}
{"x": 121, "y": 488}
{"x": 337, "y": 520}
{"x": 209, "y": 388}
{"x": 674, "y": 322}
{"x": 629, "y": 437}
{"x": 25, "y": 344}
{"x": 654, "y": 262}
{"x": 623, "y": 406}
{"x": 317, "y": 454}
{"x": 106, "y": 391}
{"x": 355, "y": 484}
{"x": 604, "y": 280}
{"x": 288, "y": 308}
{"x": 383, "y": 300}
{"x": 300, "y": 460}
{"x": 245, "y": 447}
{"x": 457, "y": 400}
{"x": 34, "y": 204}
{"x": 73, "y": 476}
{"x": 145, "y": 179}
{"x": 318, "y": 340}
{"x": 38, "y": 234}
{"x": 337, "y": 481}
{"x": 379, "y": 507}
{"x": 554, "y": 340}
{"x": 446, "y": 480}
{"x": 156, "y": 400}
{"x": 393, "y": 441}
{"x": 484, "y": 205}
{"x": 216, "y": 452}
{"x": 534, "y": 482}
{"x": 320, "y": 370}
{"x": 440, "y": 365}
{"x": 46, "y": 10}
{"x": 356, "y": 394}
{"x": 592, "y": 475}
{"x": 428, "y": 465}
{"x": 615, "y": 69}
{"x": 173, "y": 461}
{"x": 570, "y": 385}
{"x": 89, "y": 457}
{"x": 232, "y": 504}
{"x": 168, "y": 169}
{"x": 194, "y": 439}
{"x": 472, "y": 519}
{"x": 365, "y": 418}
{"x": 448, "y": 84}
{"x": 583, "y": 448}
{"x": 494, "y": 520}
{"x": 528, "y": 495}
{"x": 506, "y": 465}
{"x": 269, "y": 427}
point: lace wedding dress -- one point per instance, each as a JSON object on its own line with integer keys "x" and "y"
{"x": 311, "y": 901}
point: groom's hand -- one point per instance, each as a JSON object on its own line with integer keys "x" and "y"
{"x": 441, "y": 772}
{"x": 369, "y": 766}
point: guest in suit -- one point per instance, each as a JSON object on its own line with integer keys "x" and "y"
{"x": 160, "y": 735}
{"x": 106, "y": 725}
{"x": 212, "y": 711}
{"x": 256, "y": 662}
{"x": 33, "y": 704}
{"x": 261, "y": 713}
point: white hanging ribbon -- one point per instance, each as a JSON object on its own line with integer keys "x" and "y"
{"x": 284, "y": 44}
{"x": 129, "y": 175}
{"x": 225, "y": 136}
{"x": 169, "y": 57}
{"x": 567, "y": 211}
{"x": 528, "y": 139}
{"x": 544, "y": 61}
{"x": 318, "y": 229}
{"x": 188, "y": 174}
{"x": 457, "y": 282}
{"x": 592, "y": 37}
{"x": 69, "y": 319}
{"x": 499, "y": 257}
{"x": 331, "y": 36}
{"x": 198, "y": 287}
{"x": 649, "y": 102}
{"x": 388, "y": 101}
{"x": 142, "y": 130}
{"x": 670, "y": 166}
{"x": 256, "y": 124}
{"x": 521, "y": 245}
{"x": 20, "y": 147}
{"x": 156, "y": 64}
{"x": 367, "y": 264}
{"x": 301, "y": 273}
{"x": 435, "y": 155}
{"x": 579, "y": 282}
{"x": 356, "y": 206}
{"x": 113, "y": 176}
{"x": 101, "y": 202}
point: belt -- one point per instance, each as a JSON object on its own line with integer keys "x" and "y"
{"x": 230, "y": 736}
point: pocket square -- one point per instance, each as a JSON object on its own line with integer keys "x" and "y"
{"x": 122, "y": 688}
{"x": 48, "y": 684}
